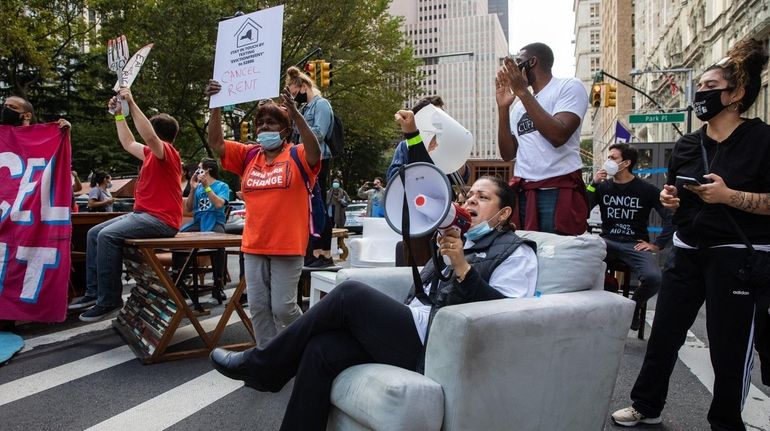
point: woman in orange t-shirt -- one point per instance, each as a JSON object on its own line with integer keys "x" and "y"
{"x": 276, "y": 232}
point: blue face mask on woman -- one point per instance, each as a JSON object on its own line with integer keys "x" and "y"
{"x": 269, "y": 140}
{"x": 480, "y": 230}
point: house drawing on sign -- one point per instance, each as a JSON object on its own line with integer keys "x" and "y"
{"x": 248, "y": 33}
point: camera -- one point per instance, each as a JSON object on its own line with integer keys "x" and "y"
{"x": 199, "y": 172}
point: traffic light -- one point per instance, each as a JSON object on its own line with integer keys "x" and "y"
{"x": 326, "y": 74}
{"x": 611, "y": 95}
{"x": 244, "y": 131}
{"x": 310, "y": 69}
{"x": 596, "y": 95}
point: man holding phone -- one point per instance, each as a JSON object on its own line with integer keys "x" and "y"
{"x": 542, "y": 131}
{"x": 625, "y": 202}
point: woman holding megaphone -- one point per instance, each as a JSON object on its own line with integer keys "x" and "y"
{"x": 357, "y": 324}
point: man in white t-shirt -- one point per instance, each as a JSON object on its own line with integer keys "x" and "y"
{"x": 542, "y": 130}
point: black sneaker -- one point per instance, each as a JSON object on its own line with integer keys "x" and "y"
{"x": 309, "y": 260}
{"x": 321, "y": 262}
{"x": 99, "y": 312}
{"x": 82, "y": 303}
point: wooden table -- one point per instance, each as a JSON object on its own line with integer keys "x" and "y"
{"x": 81, "y": 223}
{"x": 157, "y": 306}
{"x": 341, "y": 234}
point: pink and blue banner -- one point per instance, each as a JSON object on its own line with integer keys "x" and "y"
{"x": 35, "y": 227}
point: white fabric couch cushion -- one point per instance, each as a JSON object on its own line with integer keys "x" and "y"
{"x": 567, "y": 263}
{"x": 384, "y": 397}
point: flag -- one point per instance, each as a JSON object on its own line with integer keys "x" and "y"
{"x": 621, "y": 133}
{"x": 35, "y": 228}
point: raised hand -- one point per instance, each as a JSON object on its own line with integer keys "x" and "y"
{"x": 503, "y": 94}
{"x": 212, "y": 88}
{"x": 517, "y": 77}
{"x": 405, "y": 119}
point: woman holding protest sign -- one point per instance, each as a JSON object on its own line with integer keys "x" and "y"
{"x": 718, "y": 183}
{"x": 277, "y": 228}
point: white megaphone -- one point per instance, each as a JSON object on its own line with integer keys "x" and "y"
{"x": 429, "y": 199}
{"x": 453, "y": 141}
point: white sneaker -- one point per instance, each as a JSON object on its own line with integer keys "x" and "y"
{"x": 629, "y": 417}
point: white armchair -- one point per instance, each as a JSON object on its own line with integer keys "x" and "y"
{"x": 546, "y": 363}
{"x": 377, "y": 245}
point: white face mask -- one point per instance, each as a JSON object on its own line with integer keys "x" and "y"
{"x": 611, "y": 167}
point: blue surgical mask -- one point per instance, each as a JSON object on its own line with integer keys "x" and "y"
{"x": 335, "y": 185}
{"x": 269, "y": 140}
{"x": 109, "y": 185}
{"x": 480, "y": 230}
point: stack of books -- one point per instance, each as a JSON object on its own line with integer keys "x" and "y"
{"x": 147, "y": 314}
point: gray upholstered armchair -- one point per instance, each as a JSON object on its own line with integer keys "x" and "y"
{"x": 546, "y": 363}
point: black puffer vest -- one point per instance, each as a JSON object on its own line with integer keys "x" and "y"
{"x": 485, "y": 256}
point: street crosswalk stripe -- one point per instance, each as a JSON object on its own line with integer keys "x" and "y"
{"x": 59, "y": 336}
{"x": 52, "y": 377}
{"x": 695, "y": 355}
{"x": 174, "y": 405}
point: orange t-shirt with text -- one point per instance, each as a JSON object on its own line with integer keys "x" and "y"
{"x": 277, "y": 202}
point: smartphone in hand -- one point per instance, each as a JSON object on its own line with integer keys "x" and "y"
{"x": 682, "y": 180}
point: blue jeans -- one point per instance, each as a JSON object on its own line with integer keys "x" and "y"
{"x": 104, "y": 253}
{"x": 546, "y": 207}
{"x": 642, "y": 263}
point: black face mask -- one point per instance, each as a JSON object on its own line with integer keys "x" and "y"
{"x": 708, "y": 103}
{"x": 9, "y": 117}
{"x": 300, "y": 98}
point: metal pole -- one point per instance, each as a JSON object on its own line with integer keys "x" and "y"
{"x": 688, "y": 100}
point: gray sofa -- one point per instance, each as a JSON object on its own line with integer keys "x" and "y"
{"x": 545, "y": 363}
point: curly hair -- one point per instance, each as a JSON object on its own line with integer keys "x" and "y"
{"x": 742, "y": 68}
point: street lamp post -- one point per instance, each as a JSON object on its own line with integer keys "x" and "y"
{"x": 688, "y": 87}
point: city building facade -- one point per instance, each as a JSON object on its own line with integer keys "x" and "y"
{"x": 617, "y": 30}
{"x": 690, "y": 35}
{"x": 461, "y": 45}
{"x": 588, "y": 50}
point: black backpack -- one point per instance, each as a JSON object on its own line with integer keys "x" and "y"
{"x": 336, "y": 139}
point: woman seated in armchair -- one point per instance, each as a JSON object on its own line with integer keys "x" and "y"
{"x": 356, "y": 324}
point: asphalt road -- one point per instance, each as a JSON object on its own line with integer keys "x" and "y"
{"x": 76, "y": 376}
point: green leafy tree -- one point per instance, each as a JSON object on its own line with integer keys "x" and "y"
{"x": 54, "y": 54}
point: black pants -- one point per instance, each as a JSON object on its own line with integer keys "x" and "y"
{"x": 353, "y": 324}
{"x": 689, "y": 278}
{"x": 218, "y": 257}
{"x": 325, "y": 241}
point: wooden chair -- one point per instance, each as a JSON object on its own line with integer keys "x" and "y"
{"x": 613, "y": 268}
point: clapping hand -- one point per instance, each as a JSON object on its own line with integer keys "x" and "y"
{"x": 503, "y": 94}
{"x": 516, "y": 76}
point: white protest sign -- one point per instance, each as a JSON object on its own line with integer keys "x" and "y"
{"x": 131, "y": 69}
{"x": 248, "y": 57}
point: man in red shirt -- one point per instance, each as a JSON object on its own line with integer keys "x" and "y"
{"x": 157, "y": 208}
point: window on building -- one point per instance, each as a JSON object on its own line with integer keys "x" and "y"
{"x": 593, "y": 13}
{"x": 594, "y": 41}
{"x": 595, "y": 64}
{"x": 503, "y": 172}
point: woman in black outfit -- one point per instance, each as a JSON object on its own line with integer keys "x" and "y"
{"x": 708, "y": 250}
{"x": 356, "y": 324}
